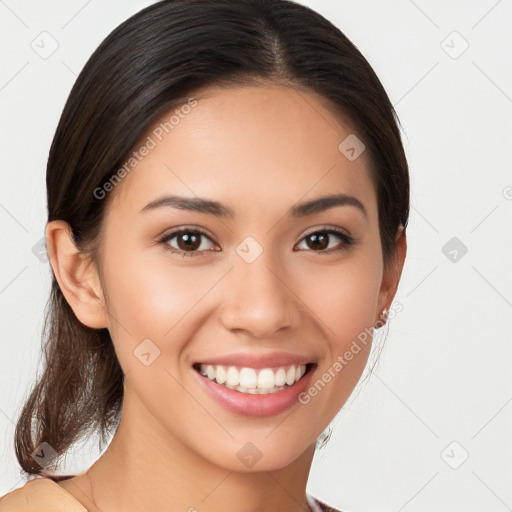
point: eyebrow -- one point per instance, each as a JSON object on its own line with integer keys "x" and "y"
{"x": 201, "y": 205}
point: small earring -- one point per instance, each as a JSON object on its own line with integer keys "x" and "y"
{"x": 383, "y": 319}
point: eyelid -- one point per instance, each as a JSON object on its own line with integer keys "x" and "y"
{"x": 169, "y": 233}
{"x": 326, "y": 227}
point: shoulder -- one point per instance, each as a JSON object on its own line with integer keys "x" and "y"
{"x": 40, "y": 494}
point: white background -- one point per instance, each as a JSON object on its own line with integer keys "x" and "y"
{"x": 444, "y": 374}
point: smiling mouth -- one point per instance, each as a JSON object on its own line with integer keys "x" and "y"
{"x": 255, "y": 381}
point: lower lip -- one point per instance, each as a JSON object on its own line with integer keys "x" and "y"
{"x": 246, "y": 404}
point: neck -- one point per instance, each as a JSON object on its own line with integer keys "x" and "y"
{"x": 146, "y": 468}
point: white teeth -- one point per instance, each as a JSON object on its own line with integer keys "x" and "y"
{"x": 280, "y": 377}
{"x": 232, "y": 377}
{"x": 253, "y": 381}
{"x": 290, "y": 376}
{"x": 210, "y": 372}
{"x": 266, "y": 378}
{"x": 248, "y": 378}
{"x": 220, "y": 375}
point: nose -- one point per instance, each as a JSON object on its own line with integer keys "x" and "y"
{"x": 259, "y": 299}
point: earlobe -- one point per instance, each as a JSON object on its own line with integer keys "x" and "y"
{"x": 391, "y": 278}
{"x": 77, "y": 278}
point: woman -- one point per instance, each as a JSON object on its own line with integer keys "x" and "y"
{"x": 227, "y": 203}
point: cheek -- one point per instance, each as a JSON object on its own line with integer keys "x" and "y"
{"x": 343, "y": 297}
{"x": 151, "y": 298}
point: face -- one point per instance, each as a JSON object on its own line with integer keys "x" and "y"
{"x": 219, "y": 258}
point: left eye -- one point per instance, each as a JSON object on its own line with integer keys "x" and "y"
{"x": 188, "y": 241}
{"x": 324, "y": 240}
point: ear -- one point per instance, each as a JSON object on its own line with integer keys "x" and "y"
{"x": 391, "y": 277}
{"x": 77, "y": 277}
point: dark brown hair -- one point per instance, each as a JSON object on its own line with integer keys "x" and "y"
{"x": 147, "y": 65}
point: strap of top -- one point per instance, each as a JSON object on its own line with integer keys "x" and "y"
{"x": 319, "y": 506}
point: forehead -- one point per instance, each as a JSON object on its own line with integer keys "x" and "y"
{"x": 264, "y": 144}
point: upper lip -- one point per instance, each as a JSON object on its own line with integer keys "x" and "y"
{"x": 267, "y": 360}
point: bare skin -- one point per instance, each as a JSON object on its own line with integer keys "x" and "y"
{"x": 259, "y": 151}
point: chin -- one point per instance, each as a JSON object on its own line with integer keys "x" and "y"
{"x": 262, "y": 454}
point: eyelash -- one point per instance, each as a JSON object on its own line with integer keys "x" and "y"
{"x": 347, "y": 240}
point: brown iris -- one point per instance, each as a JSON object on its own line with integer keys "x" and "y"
{"x": 318, "y": 241}
{"x": 188, "y": 241}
